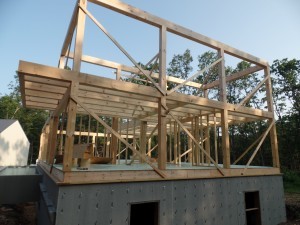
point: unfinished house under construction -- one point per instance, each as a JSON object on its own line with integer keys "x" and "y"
{"x": 111, "y": 150}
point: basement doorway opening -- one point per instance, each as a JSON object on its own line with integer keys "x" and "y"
{"x": 145, "y": 213}
{"x": 252, "y": 207}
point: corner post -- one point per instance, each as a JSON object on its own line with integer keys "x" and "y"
{"x": 72, "y": 105}
{"x": 224, "y": 112}
{"x": 162, "y": 112}
{"x": 273, "y": 133}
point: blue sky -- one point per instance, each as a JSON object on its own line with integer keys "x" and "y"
{"x": 34, "y": 31}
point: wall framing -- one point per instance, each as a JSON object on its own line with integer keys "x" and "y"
{"x": 152, "y": 110}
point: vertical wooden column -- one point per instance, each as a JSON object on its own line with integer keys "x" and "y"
{"x": 114, "y": 140}
{"x": 72, "y": 106}
{"x": 42, "y": 144}
{"x": 52, "y": 141}
{"x": 273, "y": 133}
{"x": 143, "y": 138}
{"x": 201, "y": 138}
{"x": 149, "y": 147}
{"x": 170, "y": 142}
{"x": 162, "y": 114}
{"x": 179, "y": 144}
{"x": 45, "y": 148}
{"x": 197, "y": 137}
{"x": 224, "y": 112}
{"x": 69, "y": 143}
{"x": 175, "y": 143}
{"x": 207, "y": 142}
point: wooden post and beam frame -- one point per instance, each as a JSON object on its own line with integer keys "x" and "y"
{"x": 72, "y": 105}
{"x": 159, "y": 93}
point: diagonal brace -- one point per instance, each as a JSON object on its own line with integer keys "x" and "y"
{"x": 93, "y": 114}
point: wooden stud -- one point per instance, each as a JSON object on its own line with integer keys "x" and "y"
{"x": 175, "y": 143}
{"x": 179, "y": 144}
{"x": 52, "y": 147}
{"x": 80, "y": 129}
{"x": 143, "y": 138}
{"x": 114, "y": 140}
{"x": 207, "y": 142}
{"x": 197, "y": 137}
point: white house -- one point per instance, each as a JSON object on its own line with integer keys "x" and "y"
{"x": 14, "y": 145}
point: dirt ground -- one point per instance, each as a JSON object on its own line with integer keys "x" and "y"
{"x": 292, "y": 204}
{"x": 25, "y": 214}
{"x": 20, "y": 214}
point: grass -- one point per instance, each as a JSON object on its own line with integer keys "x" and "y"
{"x": 291, "y": 181}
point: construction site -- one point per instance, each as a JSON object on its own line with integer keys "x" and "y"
{"x": 111, "y": 151}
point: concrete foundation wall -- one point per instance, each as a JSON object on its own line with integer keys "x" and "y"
{"x": 185, "y": 202}
{"x": 181, "y": 202}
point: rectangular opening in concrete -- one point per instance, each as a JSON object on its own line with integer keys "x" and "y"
{"x": 145, "y": 213}
{"x": 252, "y": 208}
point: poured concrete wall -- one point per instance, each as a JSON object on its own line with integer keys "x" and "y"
{"x": 190, "y": 202}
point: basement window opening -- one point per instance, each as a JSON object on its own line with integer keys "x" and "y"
{"x": 252, "y": 207}
{"x": 145, "y": 213}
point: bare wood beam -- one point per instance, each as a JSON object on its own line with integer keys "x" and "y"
{"x": 114, "y": 140}
{"x": 258, "y": 146}
{"x": 71, "y": 29}
{"x": 162, "y": 112}
{"x": 62, "y": 103}
{"x": 273, "y": 132}
{"x": 69, "y": 142}
{"x": 114, "y": 65}
{"x": 234, "y": 76}
{"x": 145, "y": 17}
{"x": 143, "y": 138}
{"x": 67, "y": 75}
{"x": 248, "y": 149}
{"x": 79, "y": 36}
{"x": 193, "y": 76}
{"x": 253, "y": 91}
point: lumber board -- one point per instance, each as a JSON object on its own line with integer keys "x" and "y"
{"x": 148, "y": 18}
{"x": 234, "y": 76}
{"x": 117, "y": 66}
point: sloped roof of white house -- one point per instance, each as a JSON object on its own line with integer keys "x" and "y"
{"x": 5, "y": 123}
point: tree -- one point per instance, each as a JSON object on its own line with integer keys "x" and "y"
{"x": 286, "y": 94}
{"x": 180, "y": 67}
{"x": 31, "y": 120}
